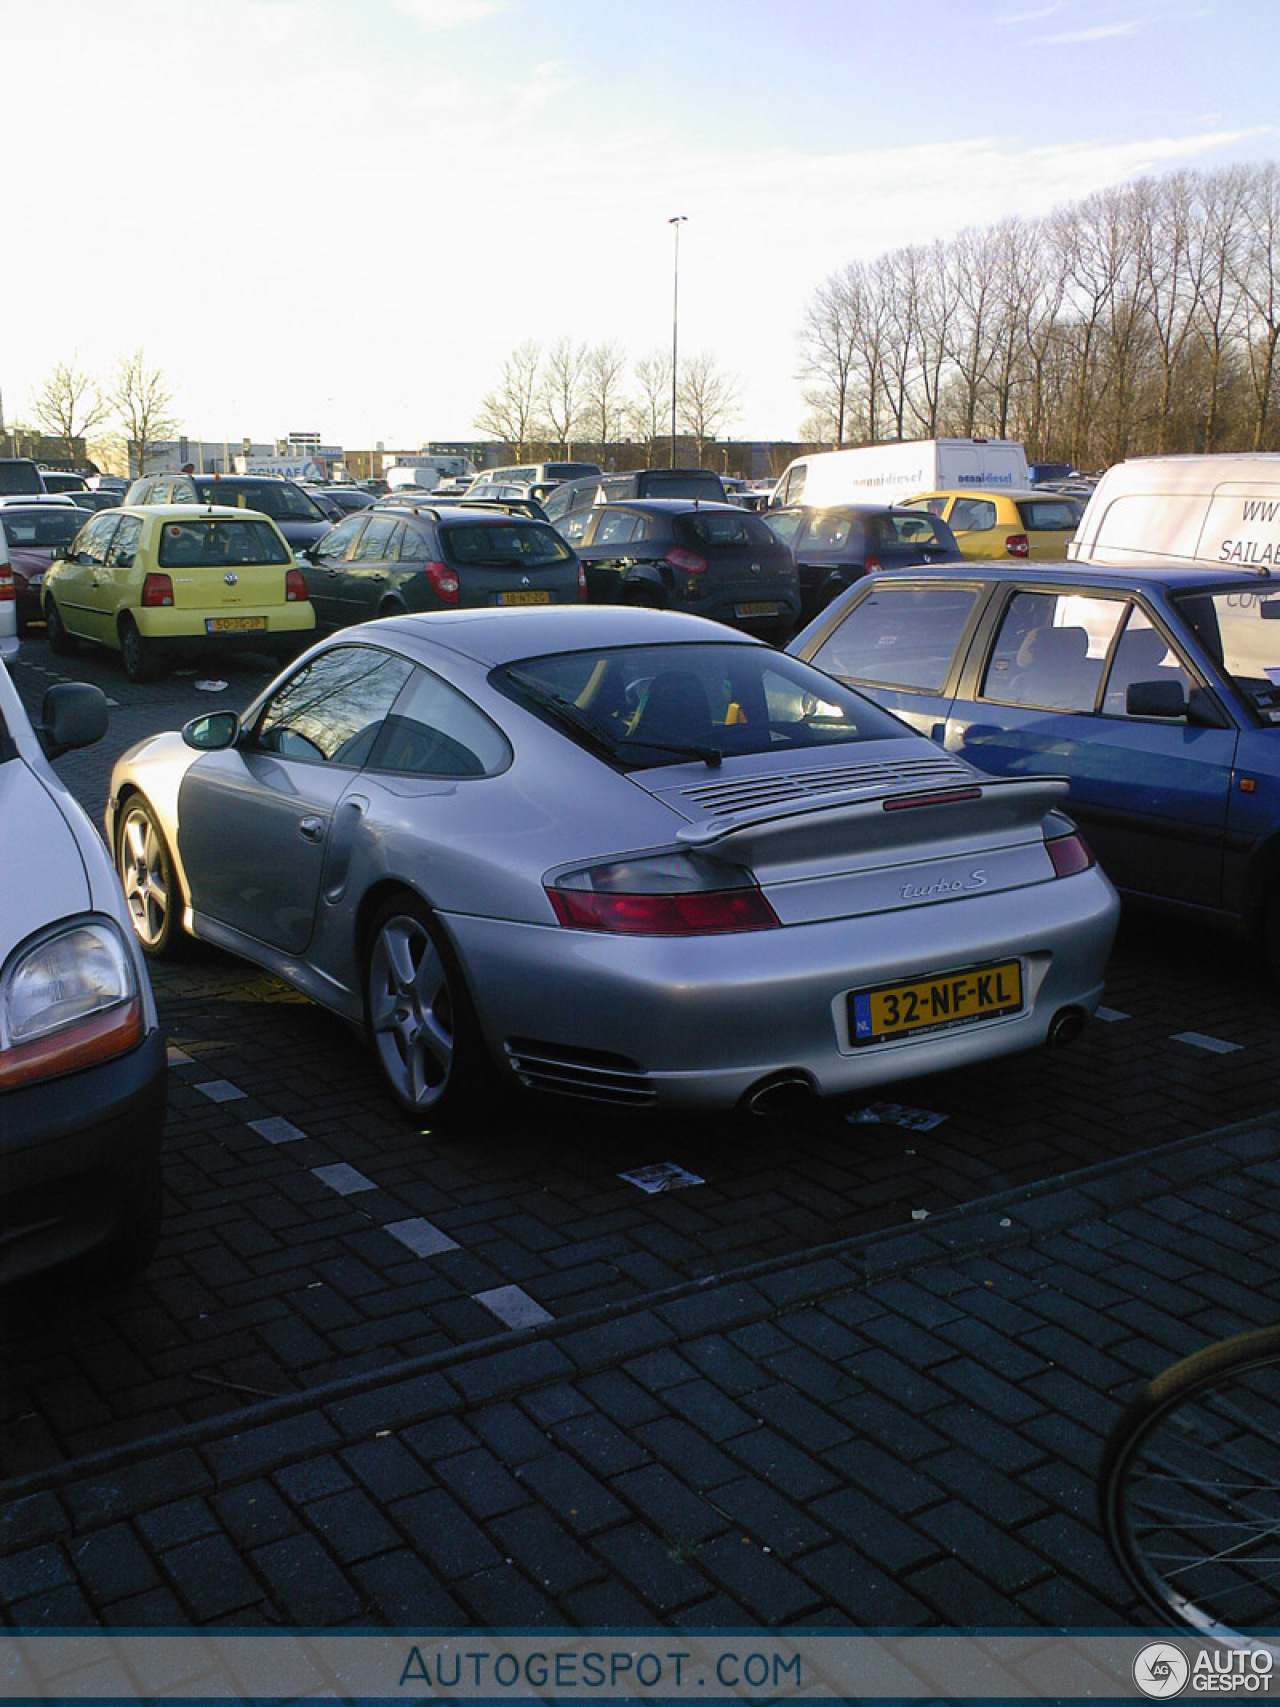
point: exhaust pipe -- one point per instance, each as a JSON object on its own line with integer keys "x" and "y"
{"x": 780, "y": 1093}
{"x": 1066, "y": 1026}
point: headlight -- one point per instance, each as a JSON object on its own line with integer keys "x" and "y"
{"x": 68, "y": 998}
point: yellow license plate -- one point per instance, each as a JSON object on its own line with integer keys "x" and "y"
{"x": 759, "y": 609}
{"x": 895, "y": 1010}
{"x": 543, "y": 598}
{"x": 234, "y": 624}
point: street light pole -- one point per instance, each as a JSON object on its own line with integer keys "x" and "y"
{"x": 676, "y": 221}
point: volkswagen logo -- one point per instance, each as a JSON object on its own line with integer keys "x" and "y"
{"x": 755, "y": 568}
{"x": 231, "y": 578}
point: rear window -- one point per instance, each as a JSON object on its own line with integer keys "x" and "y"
{"x": 215, "y": 544}
{"x": 569, "y": 470}
{"x": 724, "y": 528}
{"x": 279, "y": 499}
{"x": 503, "y": 545}
{"x": 16, "y": 475}
{"x": 41, "y": 527}
{"x": 679, "y": 483}
{"x": 1050, "y": 515}
{"x": 916, "y": 529}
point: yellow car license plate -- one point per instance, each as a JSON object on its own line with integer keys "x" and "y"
{"x": 757, "y": 609}
{"x": 234, "y": 624}
{"x": 542, "y": 598}
{"x": 894, "y": 1010}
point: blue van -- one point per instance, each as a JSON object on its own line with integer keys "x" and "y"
{"x": 1155, "y": 691}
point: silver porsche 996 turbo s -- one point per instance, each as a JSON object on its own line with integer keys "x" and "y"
{"x": 623, "y": 855}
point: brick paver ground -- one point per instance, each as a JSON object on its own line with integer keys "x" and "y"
{"x": 899, "y": 1429}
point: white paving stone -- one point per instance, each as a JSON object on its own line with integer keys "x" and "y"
{"x": 221, "y": 1090}
{"x": 420, "y": 1236}
{"x": 178, "y": 1057}
{"x": 343, "y": 1178}
{"x": 1214, "y": 1045}
{"x": 513, "y": 1305}
{"x": 276, "y": 1129}
{"x": 1110, "y": 1015}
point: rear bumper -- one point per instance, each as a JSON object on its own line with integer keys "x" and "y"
{"x": 701, "y": 1021}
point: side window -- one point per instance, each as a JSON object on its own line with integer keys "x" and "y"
{"x": 972, "y": 515}
{"x": 786, "y": 524}
{"x": 828, "y": 531}
{"x": 1142, "y": 654}
{"x": 899, "y": 637}
{"x": 331, "y": 710}
{"x": 334, "y": 545}
{"x": 436, "y": 731}
{"x": 572, "y": 527}
{"x": 615, "y": 527}
{"x": 95, "y": 539}
{"x": 1050, "y": 650}
{"x": 378, "y": 541}
{"x": 415, "y": 547}
{"x": 791, "y": 492}
{"x": 125, "y": 544}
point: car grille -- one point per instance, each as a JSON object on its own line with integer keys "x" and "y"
{"x": 870, "y": 779}
{"x": 586, "y": 1073}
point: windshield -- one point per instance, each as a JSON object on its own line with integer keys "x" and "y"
{"x": 220, "y": 544}
{"x": 279, "y": 499}
{"x": 47, "y": 528}
{"x": 639, "y": 706}
{"x": 1240, "y": 630}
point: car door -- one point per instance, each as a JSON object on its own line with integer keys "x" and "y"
{"x": 323, "y": 567}
{"x": 1151, "y": 793}
{"x": 608, "y": 551}
{"x": 81, "y": 584}
{"x": 255, "y": 819}
{"x": 369, "y": 570}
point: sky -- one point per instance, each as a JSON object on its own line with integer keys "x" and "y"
{"x": 342, "y": 216}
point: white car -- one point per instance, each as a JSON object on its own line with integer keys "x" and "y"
{"x": 82, "y": 1056}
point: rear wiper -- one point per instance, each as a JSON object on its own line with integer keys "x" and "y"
{"x": 709, "y": 755}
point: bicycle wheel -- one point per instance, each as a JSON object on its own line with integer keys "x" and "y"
{"x": 1189, "y": 1488}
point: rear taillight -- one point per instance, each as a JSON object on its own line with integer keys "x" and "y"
{"x": 444, "y": 582}
{"x": 1069, "y": 853}
{"x": 1018, "y": 545}
{"x": 157, "y": 590}
{"x": 6, "y": 586}
{"x": 935, "y": 797}
{"x": 295, "y": 586}
{"x": 669, "y": 895}
{"x": 872, "y": 566}
{"x": 689, "y": 561}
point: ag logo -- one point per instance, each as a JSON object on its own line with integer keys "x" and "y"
{"x": 1161, "y": 1669}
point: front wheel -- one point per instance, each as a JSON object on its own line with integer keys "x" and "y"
{"x": 151, "y": 886}
{"x": 419, "y": 1016}
{"x": 1189, "y": 1489}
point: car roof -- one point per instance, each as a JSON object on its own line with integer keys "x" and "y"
{"x": 984, "y": 492}
{"x": 490, "y": 636}
{"x": 1138, "y": 577}
{"x": 669, "y": 506}
{"x": 188, "y": 512}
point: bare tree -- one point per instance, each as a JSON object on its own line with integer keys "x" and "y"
{"x": 828, "y": 352}
{"x": 707, "y": 399}
{"x": 604, "y": 404}
{"x": 561, "y": 390}
{"x": 652, "y": 409}
{"x": 68, "y": 405}
{"x": 509, "y": 412}
{"x": 141, "y": 399}
{"x": 1222, "y": 206}
{"x": 1256, "y": 265}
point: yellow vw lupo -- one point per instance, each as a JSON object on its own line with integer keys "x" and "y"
{"x": 161, "y": 580}
{"x": 998, "y": 524}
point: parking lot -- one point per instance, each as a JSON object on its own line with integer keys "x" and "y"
{"x": 312, "y": 1233}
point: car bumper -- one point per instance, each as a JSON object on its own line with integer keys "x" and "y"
{"x": 174, "y": 630}
{"x": 78, "y": 1156}
{"x": 706, "y": 1021}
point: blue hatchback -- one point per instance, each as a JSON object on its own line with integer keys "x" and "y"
{"x": 1156, "y": 692}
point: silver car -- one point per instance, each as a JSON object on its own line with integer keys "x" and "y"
{"x": 625, "y": 855}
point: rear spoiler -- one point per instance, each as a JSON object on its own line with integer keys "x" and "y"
{"x": 1021, "y": 793}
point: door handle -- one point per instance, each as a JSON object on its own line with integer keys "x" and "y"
{"x": 311, "y": 829}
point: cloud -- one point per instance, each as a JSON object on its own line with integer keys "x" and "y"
{"x": 449, "y": 14}
{"x": 1099, "y": 32}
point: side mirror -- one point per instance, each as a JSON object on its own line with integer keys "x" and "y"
{"x": 73, "y": 714}
{"x": 1155, "y": 699}
{"x": 212, "y": 733}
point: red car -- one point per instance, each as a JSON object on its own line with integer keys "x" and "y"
{"x": 34, "y": 532}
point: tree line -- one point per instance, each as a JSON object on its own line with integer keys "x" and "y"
{"x": 1142, "y": 320}
{"x": 132, "y": 410}
{"x": 571, "y": 394}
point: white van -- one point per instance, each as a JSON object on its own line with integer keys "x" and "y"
{"x": 1184, "y": 509}
{"x": 877, "y": 474}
